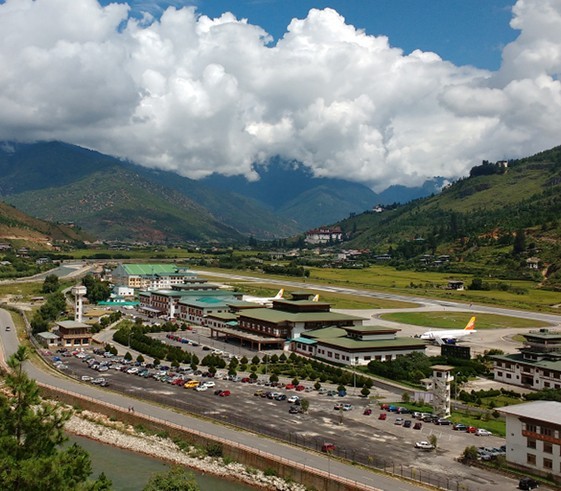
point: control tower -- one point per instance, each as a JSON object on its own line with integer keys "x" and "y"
{"x": 79, "y": 292}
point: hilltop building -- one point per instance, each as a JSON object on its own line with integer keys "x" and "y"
{"x": 533, "y": 437}
{"x": 537, "y": 366}
{"x": 324, "y": 235}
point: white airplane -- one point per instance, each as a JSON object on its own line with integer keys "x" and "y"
{"x": 450, "y": 336}
{"x": 263, "y": 300}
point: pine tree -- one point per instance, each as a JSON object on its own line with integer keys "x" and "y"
{"x": 31, "y": 435}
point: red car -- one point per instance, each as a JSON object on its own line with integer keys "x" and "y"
{"x": 382, "y": 416}
{"x": 224, "y": 393}
{"x": 471, "y": 429}
{"x": 300, "y": 388}
{"x": 328, "y": 447}
{"x": 289, "y": 386}
{"x": 367, "y": 412}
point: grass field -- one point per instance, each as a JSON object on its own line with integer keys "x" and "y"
{"x": 422, "y": 284}
{"x": 458, "y": 320}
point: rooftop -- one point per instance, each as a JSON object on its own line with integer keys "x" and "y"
{"x": 72, "y": 324}
{"x": 549, "y": 411}
{"x": 149, "y": 269}
{"x": 276, "y": 316}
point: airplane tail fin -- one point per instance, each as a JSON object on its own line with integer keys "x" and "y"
{"x": 470, "y": 325}
{"x": 316, "y": 298}
{"x": 280, "y": 293}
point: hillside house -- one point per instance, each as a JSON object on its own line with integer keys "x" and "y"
{"x": 324, "y": 235}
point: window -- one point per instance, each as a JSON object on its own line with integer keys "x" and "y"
{"x": 545, "y": 430}
{"x": 546, "y": 384}
{"x": 547, "y": 464}
{"x": 532, "y": 428}
{"x": 367, "y": 358}
{"x": 531, "y": 443}
{"x": 547, "y": 447}
{"x": 499, "y": 374}
{"x": 508, "y": 375}
{"x": 531, "y": 459}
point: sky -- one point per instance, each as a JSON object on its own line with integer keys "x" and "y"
{"x": 380, "y": 92}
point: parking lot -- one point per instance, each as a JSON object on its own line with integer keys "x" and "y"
{"x": 354, "y": 428}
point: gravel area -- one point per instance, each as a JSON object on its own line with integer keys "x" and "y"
{"x": 100, "y": 428}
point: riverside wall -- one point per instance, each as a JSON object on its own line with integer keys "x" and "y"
{"x": 250, "y": 457}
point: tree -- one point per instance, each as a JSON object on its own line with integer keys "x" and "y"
{"x": 274, "y": 378}
{"x": 295, "y": 382}
{"x": 177, "y": 479}
{"x": 433, "y": 440}
{"x": 255, "y": 360}
{"x": 97, "y": 290}
{"x": 519, "y": 245}
{"x": 469, "y": 455}
{"x": 140, "y": 359}
{"x": 305, "y": 405}
{"x": 128, "y": 356}
{"x": 32, "y": 432}
{"x": 365, "y": 392}
{"x": 50, "y": 285}
{"x": 317, "y": 386}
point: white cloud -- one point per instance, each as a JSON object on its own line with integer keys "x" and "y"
{"x": 198, "y": 95}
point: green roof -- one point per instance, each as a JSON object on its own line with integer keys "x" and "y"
{"x": 358, "y": 344}
{"x": 272, "y": 315}
{"x": 326, "y": 333}
{"x": 518, "y": 358}
{"x": 149, "y": 269}
{"x": 304, "y": 340}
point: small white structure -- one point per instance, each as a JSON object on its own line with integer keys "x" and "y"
{"x": 79, "y": 292}
{"x": 533, "y": 436}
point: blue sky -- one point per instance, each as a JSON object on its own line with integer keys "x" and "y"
{"x": 462, "y": 31}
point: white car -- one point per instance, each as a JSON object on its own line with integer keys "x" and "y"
{"x": 201, "y": 388}
{"x": 293, "y": 399}
{"x": 86, "y": 378}
{"x": 132, "y": 370}
{"x": 482, "y": 432}
{"x": 424, "y": 445}
{"x": 209, "y": 384}
{"x": 347, "y": 407}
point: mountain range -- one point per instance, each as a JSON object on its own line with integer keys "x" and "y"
{"x": 117, "y": 200}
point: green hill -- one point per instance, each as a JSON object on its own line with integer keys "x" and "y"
{"x": 116, "y": 203}
{"x": 21, "y": 230}
{"x": 477, "y": 220}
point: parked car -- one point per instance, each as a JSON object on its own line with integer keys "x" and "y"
{"x": 471, "y": 429}
{"x": 423, "y": 445}
{"x": 527, "y": 483}
{"x": 407, "y": 423}
{"x": 338, "y": 406}
{"x": 328, "y": 447}
{"x": 292, "y": 399}
{"x": 295, "y": 410}
{"x": 418, "y": 426}
{"x": 367, "y": 411}
{"x": 201, "y": 388}
{"x": 280, "y": 397}
{"x": 399, "y": 421}
{"x": 300, "y": 388}
{"x": 383, "y": 416}
{"x": 443, "y": 421}
{"x": 347, "y": 407}
{"x": 459, "y": 427}
{"x": 482, "y": 432}
{"x": 225, "y": 393}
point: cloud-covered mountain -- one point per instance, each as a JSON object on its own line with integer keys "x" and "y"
{"x": 194, "y": 95}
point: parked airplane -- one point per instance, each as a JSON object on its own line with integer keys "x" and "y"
{"x": 450, "y": 336}
{"x": 264, "y": 300}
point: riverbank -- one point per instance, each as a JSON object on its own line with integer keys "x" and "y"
{"x": 100, "y": 428}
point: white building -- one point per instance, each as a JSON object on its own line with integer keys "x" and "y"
{"x": 537, "y": 366}
{"x": 533, "y": 436}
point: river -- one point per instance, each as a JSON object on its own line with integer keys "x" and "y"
{"x": 130, "y": 471}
